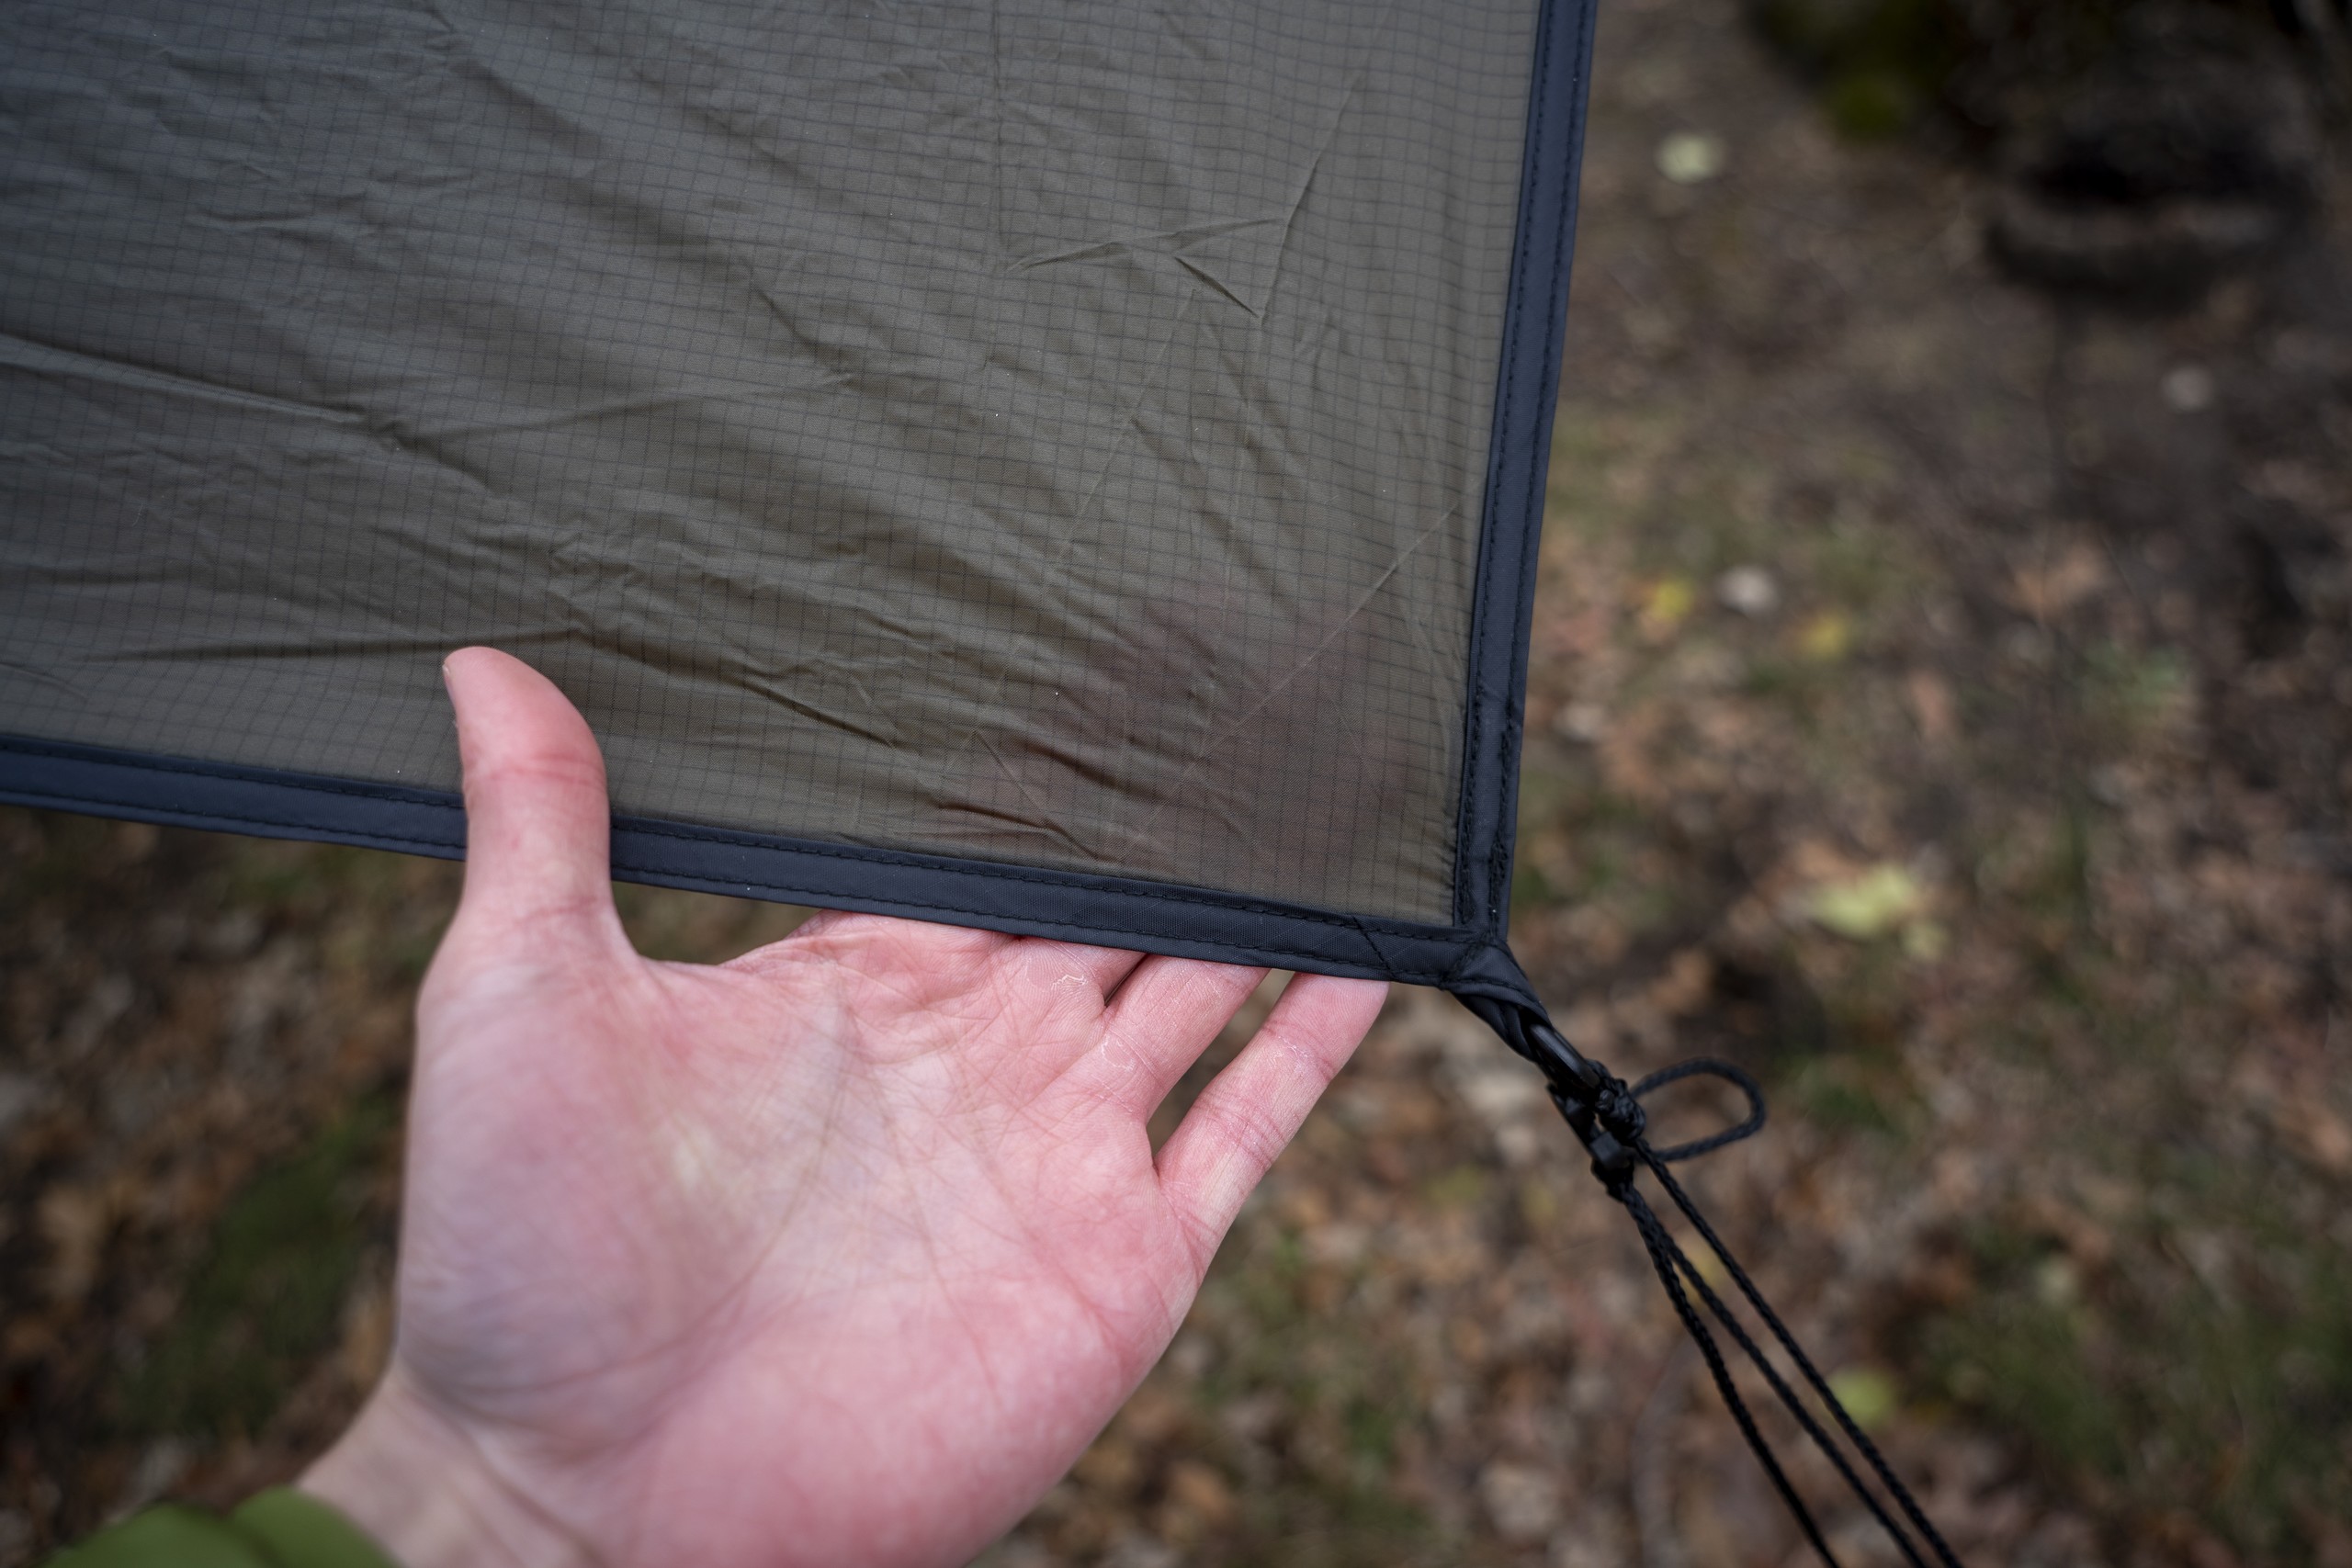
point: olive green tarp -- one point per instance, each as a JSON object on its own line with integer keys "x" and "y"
{"x": 1062, "y": 438}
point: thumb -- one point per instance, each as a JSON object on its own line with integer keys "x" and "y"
{"x": 538, "y": 828}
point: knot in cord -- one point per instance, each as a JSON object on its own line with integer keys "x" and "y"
{"x": 1606, "y": 1113}
{"x": 1607, "y": 1116}
{"x": 1611, "y": 1137}
{"x": 1619, "y": 1110}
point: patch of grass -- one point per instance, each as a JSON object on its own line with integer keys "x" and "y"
{"x": 1373, "y": 1527}
{"x": 2225, "y": 1392}
{"x": 2130, "y": 695}
{"x": 1860, "y": 566}
{"x": 1530, "y": 888}
{"x": 371, "y": 909}
{"x": 1348, "y": 1396}
{"x": 1606, "y": 466}
{"x": 2066, "y": 882}
{"x": 49, "y": 855}
{"x": 1543, "y": 793}
{"x": 1463, "y": 1186}
{"x": 2017, "y": 1355}
{"x": 1880, "y": 62}
{"x": 1544, "y": 797}
{"x": 277, "y": 875}
{"x": 1786, "y": 679}
{"x": 1603, "y": 849}
{"x": 700, "y": 928}
{"x": 1872, "y": 104}
{"x": 268, "y": 1296}
{"x": 1830, "y": 1095}
{"x": 1867, "y": 1004}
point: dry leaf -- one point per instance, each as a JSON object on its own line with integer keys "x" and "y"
{"x": 1665, "y": 604}
{"x": 2050, "y": 588}
{"x": 1826, "y": 638}
{"x": 1880, "y": 901}
{"x": 1868, "y": 1394}
{"x": 1931, "y": 708}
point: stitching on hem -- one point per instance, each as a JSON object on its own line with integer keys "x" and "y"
{"x": 1415, "y": 973}
{"x": 223, "y": 776}
{"x": 70, "y": 802}
{"x": 1497, "y": 857}
{"x": 689, "y": 834}
{"x": 1358, "y": 924}
{"x": 1482, "y": 700}
{"x": 1580, "y": 86}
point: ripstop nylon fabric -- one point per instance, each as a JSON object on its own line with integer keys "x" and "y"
{"x": 1045, "y": 435}
{"x": 1070, "y": 467}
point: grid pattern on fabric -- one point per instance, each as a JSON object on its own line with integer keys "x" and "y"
{"x": 1034, "y": 433}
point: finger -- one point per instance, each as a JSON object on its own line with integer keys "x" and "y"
{"x": 1166, "y": 1015}
{"x": 538, "y": 830}
{"x": 939, "y": 959}
{"x": 1048, "y": 962}
{"x": 1249, "y": 1112}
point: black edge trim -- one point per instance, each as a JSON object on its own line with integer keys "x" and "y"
{"x": 1470, "y": 958}
{"x": 1526, "y": 396}
{"x": 1188, "y": 922}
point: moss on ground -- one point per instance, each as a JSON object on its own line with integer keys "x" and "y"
{"x": 268, "y": 1296}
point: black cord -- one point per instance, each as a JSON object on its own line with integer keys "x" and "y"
{"x": 1667, "y": 1259}
{"x": 1787, "y": 1398}
{"x": 1608, "y": 1118}
{"x": 1707, "y": 1066}
{"x": 1820, "y": 1385}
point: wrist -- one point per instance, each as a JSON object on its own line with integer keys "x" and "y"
{"x": 422, "y": 1485}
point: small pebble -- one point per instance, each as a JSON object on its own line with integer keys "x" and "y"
{"x": 1748, "y": 590}
{"x": 2188, "y": 388}
{"x": 1584, "y": 723}
{"x": 1690, "y": 157}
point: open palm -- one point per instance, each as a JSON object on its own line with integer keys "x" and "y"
{"x": 838, "y": 1253}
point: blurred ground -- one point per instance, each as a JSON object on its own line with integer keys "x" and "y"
{"x": 1940, "y": 703}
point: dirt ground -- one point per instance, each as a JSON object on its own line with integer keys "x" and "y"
{"x": 1940, "y": 705}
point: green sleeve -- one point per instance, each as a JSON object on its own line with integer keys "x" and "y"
{"x": 279, "y": 1528}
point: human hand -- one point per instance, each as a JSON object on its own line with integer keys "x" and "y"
{"x": 839, "y": 1253}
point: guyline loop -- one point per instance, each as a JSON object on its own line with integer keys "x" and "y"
{"x": 1607, "y": 1117}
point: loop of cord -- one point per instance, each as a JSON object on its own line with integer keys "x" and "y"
{"x": 1708, "y": 1066}
{"x": 1607, "y": 1116}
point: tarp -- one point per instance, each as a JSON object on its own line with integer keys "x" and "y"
{"x": 1068, "y": 468}
{"x": 1074, "y": 468}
